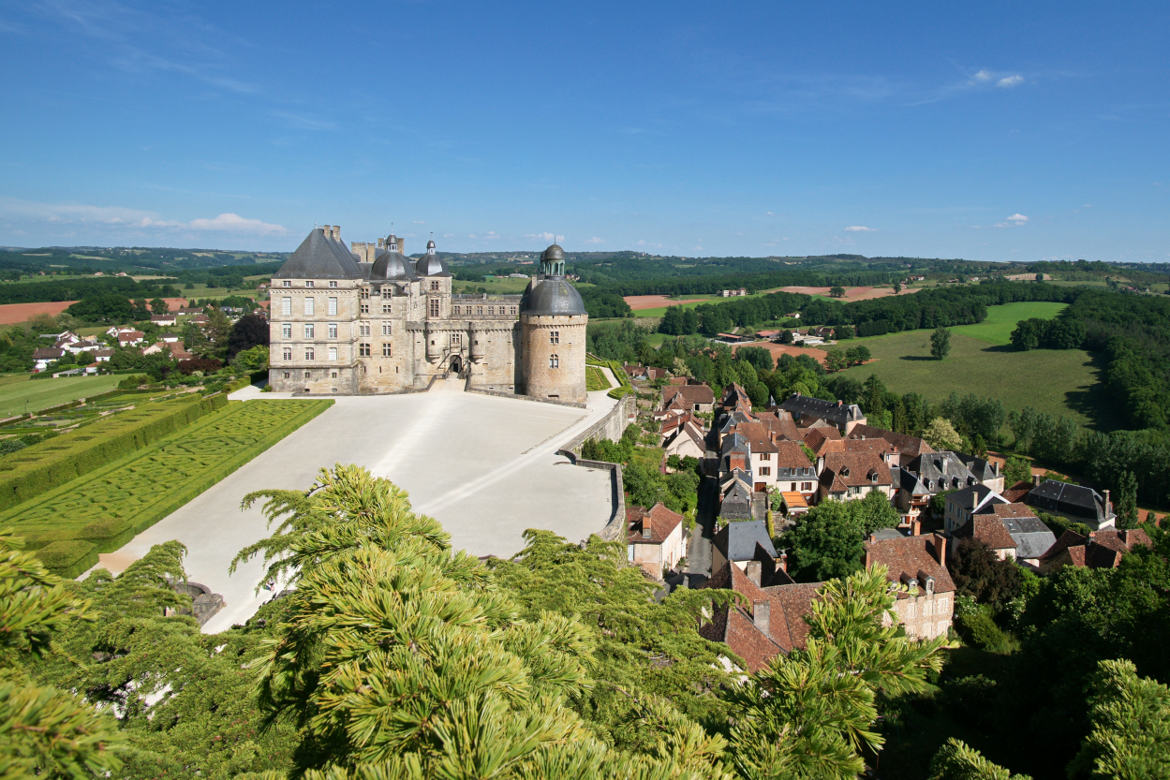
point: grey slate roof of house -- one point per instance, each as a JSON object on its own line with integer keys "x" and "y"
{"x": 982, "y": 469}
{"x": 738, "y": 541}
{"x": 908, "y": 481}
{"x": 1069, "y": 499}
{"x": 1031, "y": 536}
{"x": 970, "y": 497}
{"x": 942, "y": 470}
{"x": 833, "y": 411}
{"x": 320, "y": 257}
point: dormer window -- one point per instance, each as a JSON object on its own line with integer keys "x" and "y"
{"x": 844, "y": 471}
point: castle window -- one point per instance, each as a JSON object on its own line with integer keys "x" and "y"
{"x": 456, "y": 311}
{"x": 479, "y": 311}
{"x": 491, "y": 311}
{"x": 308, "y": 375}
{"x": 365, "y": 308}
{"x": 554, "y": 361}
{"x": 287, "y": 374}
{"x": 308, "y": 331}
{"x": 387, "y": 350}
{"x": 310, "y": 305}
{"x": 287, "y": 354}
{"x": 363, "y": 330}
{"x": 365, "y": 294}
{"x": 333, "y": 284}
{"x": 456, "y": 339}
{"x": 286, "y": 330}
{"x": 386, "y": 308}
{"x": 286, "y": 306}
{"x": 554, "y": 337}
{"x": 434, "y": 284}
{"x": 513, "y": 309}
{"x": 334, "y": 375}
{"x": 308, "y": 354}
{"x": 331, "y": 307}
{"x": 333, "y": 330}
{"x": 363, "y": 350}
{"x": 308, "y": 283}
{"x": 386, "y": 329}
{"x": 286, "y": 283}
{"x": 333, "y": 353}
{"x": 434, "y": 307}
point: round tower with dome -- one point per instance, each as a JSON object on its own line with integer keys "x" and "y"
{"x": 552, "y": 333}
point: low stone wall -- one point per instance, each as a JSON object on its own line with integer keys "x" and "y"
{"x": 517, "y": 396}
{"x": 611, "y": 426}
{"x": 615, "y": 529}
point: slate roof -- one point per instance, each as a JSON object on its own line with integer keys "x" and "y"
{"x": 982, "y": 469}
{"x": 835, "y": 412}
{"x": 1068, "y": 499}
{"x": 320, "y": 257}
{"x": 47, "y": 353}
{"x": 941, "y": 471}
{"x": 910, "y": 557}
{"x": 738, "y": 541}
{"x": 974, "y": 497}
{"x": 737, "y": 502}
{"x": 550, "y": 295}
{"x": 909, "y": 446}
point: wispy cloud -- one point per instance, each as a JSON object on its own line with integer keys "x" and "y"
{"x": 1010, "y": 81}
{"x": 859, "y": 229}
{"x": 1015, "y": 220}
{"x": 304, "y": 122}
{"x": 595, "y": 240}
{"x": 543, "y": 236}
{"x": 121, "y": 216}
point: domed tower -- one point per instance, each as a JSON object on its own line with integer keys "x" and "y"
{"x": 552, "y": 333}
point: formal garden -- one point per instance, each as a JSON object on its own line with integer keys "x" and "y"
{"x": 67, "y": 526}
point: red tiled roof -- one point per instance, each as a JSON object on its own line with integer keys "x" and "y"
{"x": 909, "y": 446}
{"x": 910, "y": 557}
{"x": 1100, "y": 550}
{"x": 859, "y": 465}
{"x": 990, "y": 530}
{"x": 660, "y": 520}
{"x": 790, "y": 455}
{"x": 691, "y": 394}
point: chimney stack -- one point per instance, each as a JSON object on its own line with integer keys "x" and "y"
{"x": 336, "y": 232}
{"x": 754, "y": 571}
{"x": 782, "y": 561}
{"x": 940, "y": 548}
{"x": 1108, "y": 506}
{"x": 647, "y": 528}
{"x": 381, "y": 243}
{"x": 762, "y": 616}
{"x": 1036, "y": 480}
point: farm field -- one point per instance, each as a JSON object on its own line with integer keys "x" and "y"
{"x": 12, "y": 313}
{"x": 491, "y": 286}
{"x": 100, "y": 511}
{"x": 1001, "y": 320}
{"x": 19, "y": 393}
{"x": 1060, "y": 382}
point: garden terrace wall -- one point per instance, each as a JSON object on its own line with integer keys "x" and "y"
{"x": 42, "y": 467}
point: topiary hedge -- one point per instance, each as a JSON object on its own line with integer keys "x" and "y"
{"x": 68, "y": 557}
{"x": 44, "y": 466}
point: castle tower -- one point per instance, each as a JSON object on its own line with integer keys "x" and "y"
{"x": 552, "y": 333}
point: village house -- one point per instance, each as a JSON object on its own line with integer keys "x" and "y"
{"x": 805, "y": 409}
{"x": 1012, "y": 531}
{"x": 695, "y": 398}
{"x": 1074, "y": 502}
{"x": 963, "y": 504}
{"x": 925, "y": 604}
{"x": 163, "y": 320}
{"x": 742, "y": 541}
{"x": 860, "y": 467}
{"x": 909, "y": 447}
{"x": 772, "y": 625}
{"x": 655, "y": 539}
{"x": 686, "y": 440}
{"x": 1102, "y": 549}
{"x": 44, "y": 356}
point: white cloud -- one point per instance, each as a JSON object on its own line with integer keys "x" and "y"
{"x": 983, "y": 75}
{"x": 88, "y": 214}
{"x": 595, "y": 240}
{"x": 1010, "y": 81}
{"x": 859, "y": 229}
{"x": 1015, "y": 220}
{"x": 236, "y": 224}
{"x": 417, "y": 222}
{"x": 545, "y": 236}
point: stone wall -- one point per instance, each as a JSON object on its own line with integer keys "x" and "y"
{"x": 611, "y": 426}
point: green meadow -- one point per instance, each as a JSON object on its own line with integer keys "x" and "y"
{"x": 20, "y": 394}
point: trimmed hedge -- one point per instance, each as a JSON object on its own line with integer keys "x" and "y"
{"x": 109, "y": 506}
{"x": 44, "y": 466}
{"x": 68, "y": 558}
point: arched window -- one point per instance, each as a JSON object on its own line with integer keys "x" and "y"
{"x": 554, "y": 361}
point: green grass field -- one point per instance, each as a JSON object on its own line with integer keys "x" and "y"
{"x": 1061, "y": 382}
{"x": 19, "y": 393}
{"x": 492, "y": 286}
{"x": 1001, "y": 320}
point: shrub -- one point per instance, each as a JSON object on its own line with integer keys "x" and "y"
{"x": 69, "y": 557}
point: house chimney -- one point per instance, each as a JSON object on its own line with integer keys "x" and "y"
{"x": 1036, "y": 480}
{"x": 754, "y": 571}
{"x": 381, "y": 243}
{"x": 336, "y": 232}
{"x": 820, "y": 464}
{"x": 915, "y": 527}
{"x": 940, "y": 548}
{"x": 762, "y": 616}
{"x": 1108, "y": 506}
{"x": 647, "y": 528}
{"x": 782, "y": 561}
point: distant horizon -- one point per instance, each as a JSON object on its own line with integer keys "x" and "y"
{"x": 993, "y": 132}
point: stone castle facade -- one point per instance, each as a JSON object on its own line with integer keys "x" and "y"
{"x": 368, "y": 319}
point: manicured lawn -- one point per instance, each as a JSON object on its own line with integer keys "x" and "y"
{"x": 100, "y": 511}
{"x": 1062, "y": 382}
{"x": 19, "y": 394}
{"x": 1001, "y": 320}
{"x": 659, "y": 311}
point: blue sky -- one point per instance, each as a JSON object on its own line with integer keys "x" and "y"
{"x": 1013, "y": 131}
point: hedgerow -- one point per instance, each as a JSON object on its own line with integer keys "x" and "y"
{"x": 44, "y": 466}
{"x": 107, "y": 507}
